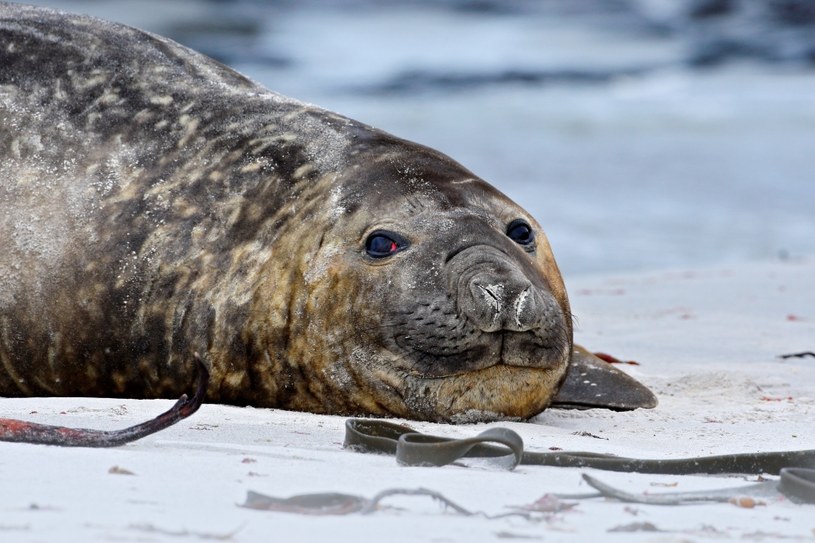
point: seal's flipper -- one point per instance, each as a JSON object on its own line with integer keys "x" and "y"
{"x": 592, "y": 382}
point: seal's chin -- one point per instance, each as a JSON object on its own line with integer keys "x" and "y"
{"x": 497, "y": 392}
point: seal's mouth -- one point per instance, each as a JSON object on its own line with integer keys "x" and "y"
{"x": 503, "y": 348}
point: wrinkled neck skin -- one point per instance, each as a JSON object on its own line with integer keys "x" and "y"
{"x": 464, "y": 324}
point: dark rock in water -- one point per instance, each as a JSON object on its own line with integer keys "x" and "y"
{"x": 701, "y": 9}
{"x": 232, "y": 39}
{"x": 772, "y": 31}
{"x": 488, "y": 7}
{"x": 428, "y": 81}
{"x": 714, "y": 51}
{"x": 793, "y": 12}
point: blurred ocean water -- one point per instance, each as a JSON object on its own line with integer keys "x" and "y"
{"x": 642, "y": 134}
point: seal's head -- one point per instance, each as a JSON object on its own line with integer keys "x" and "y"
{"x": 429, "y": 295}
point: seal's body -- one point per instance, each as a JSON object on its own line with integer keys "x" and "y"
{"x": 154, "y": 203}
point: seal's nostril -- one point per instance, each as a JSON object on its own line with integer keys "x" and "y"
{"x": 528, "y": 308}
{"x": 521, "y": 303}
{"x": 483, "y": 302}
{"x": 493, "y": 291}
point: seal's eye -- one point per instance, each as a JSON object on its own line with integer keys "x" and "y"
{"x": 520, "y": 232}
{"x": 381, "y": 244}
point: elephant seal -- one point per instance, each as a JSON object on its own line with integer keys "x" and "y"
{"x": 155, "y": 203}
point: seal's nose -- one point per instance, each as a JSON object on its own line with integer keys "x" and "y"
{"x": 503, "y": 301}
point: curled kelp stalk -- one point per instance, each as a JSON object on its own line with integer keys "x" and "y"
{"x": 795, "y": 484}
{"x": 43, "y": 434}
{"x": 803, "y": 354}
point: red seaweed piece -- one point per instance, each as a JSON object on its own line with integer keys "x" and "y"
{"x": 614, "y": 360}
{"x": 43, "y": 434}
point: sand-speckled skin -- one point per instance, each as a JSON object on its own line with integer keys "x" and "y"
{"x": 154, "y": 203}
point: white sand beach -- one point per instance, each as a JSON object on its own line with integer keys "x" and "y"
{"x": 707, "y": 342}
